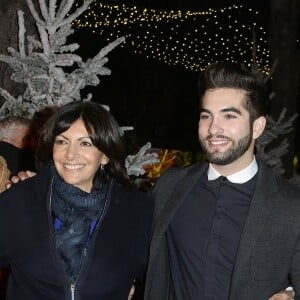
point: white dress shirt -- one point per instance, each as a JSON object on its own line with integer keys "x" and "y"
{"x": 239, "y": 177}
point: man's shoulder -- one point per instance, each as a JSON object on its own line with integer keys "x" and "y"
{"x": 268, "y": 175}
{"x": 288, "y": 189}
{"x": 175, "y": 174}
{"x": 285, "y": 196}
{"x": 180, "y": 172}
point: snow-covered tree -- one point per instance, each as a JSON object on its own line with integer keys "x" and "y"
{"x": 40, "y": 63}
{"x": 274, "y": 130}
{"x": 52, "y": 72}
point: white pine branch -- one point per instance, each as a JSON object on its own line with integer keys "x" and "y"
{"x": 52, "y": 9}
{"x": 22, "y": 32}
{"x": 77, "y": 13}
{"x": 7, "y": 96}
{"x": 44, "y": 10}
{"x": 44, "y": 39}
{"x": 35, "y": 14}
{"x": 135, "y": 163}
{"x": 64, "y": 9}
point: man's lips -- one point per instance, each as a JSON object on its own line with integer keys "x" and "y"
{"x": 218, "y": 142}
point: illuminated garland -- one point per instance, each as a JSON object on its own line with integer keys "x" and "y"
{"x": 189, "y": 39}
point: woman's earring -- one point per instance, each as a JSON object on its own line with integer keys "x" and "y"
{"x": 101, "y": 168}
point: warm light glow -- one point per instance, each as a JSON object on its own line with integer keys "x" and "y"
{"x": 184, "y": 38}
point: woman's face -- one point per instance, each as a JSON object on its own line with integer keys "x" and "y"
{"x": 76, "y": 158}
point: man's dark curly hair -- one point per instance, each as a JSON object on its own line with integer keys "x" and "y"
{"x": 230, "y": 75}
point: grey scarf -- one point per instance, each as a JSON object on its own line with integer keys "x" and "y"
{"x": 76, "y": 210}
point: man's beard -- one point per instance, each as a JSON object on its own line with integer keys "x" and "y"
{"x": 230, "y": 155}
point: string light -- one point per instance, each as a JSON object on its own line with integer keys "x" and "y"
{"x": 183, "y": 38}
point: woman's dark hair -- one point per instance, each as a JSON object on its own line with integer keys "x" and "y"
{"x": 230, "y": 75}
{"x": 103, "y": 131}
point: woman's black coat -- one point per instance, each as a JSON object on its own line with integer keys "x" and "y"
{"x": 117, "y": 253}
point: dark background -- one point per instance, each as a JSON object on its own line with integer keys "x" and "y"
{"x": 159, "y": 100}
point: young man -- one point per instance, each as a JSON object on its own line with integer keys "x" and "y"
{"x": 227, "y": 229}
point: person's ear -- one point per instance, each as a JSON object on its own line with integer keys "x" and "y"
{"x": 104, "y": 160}
{"x": 258, "y": 127}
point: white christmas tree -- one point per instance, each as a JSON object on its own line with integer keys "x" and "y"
{"x": 41, "y": 65}
{"x": 273, "y": 131}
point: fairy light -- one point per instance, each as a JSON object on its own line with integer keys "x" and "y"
{"x": 183, "y": 38}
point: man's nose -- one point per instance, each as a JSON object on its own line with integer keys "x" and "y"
{"x": 215, "y": 127}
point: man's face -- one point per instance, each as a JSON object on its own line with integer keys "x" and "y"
{"x": 225, "y": 132}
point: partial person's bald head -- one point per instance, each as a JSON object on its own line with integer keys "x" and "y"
{"x": 18, "y": 131}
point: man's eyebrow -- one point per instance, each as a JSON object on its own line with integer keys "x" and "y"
{"x": 204, "y": 110}
{"x": 228, "y": 109}
{"x": 232, "y": 109}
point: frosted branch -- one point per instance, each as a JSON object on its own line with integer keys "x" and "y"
{"x": 44, "y": 40}
{"x": 44, "y": 10}
{"x": 64, "y": 9}
{"x": 5, "y": 94}
{"x": 21, "y": 35}
{"x": 77, "y": 13}
{"x": 125, "y": 128}
{"x": 109, "y": 47}
{"x": 135, "y": 163}
{"x": 35, "y": 14}
{"x": 52, "y": 8}
{"x": 7, "y": 59}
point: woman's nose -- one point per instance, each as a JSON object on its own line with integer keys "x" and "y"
{"x": 71, "y": 152}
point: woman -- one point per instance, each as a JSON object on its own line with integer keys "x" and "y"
{"x": 77, "y": 230}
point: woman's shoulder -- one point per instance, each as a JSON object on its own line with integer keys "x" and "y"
{"x": 36, "y": 184}
{"x": 132, "y": 195}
